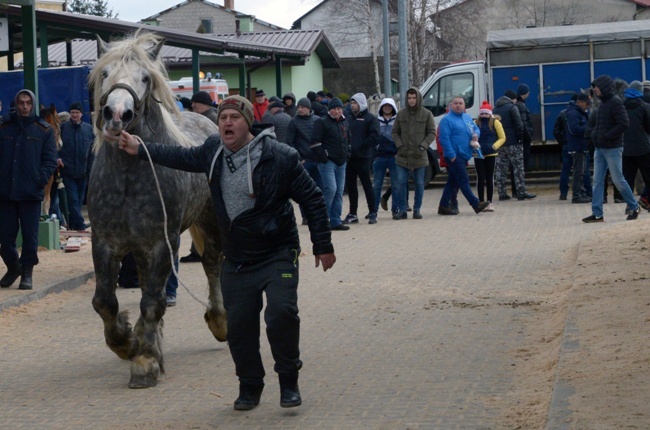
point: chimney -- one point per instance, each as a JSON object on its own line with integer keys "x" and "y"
{"x": 229, "y": 4}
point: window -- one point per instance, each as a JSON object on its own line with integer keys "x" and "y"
{"x": 440, "y": 95}
{"x": 206, "y": 23}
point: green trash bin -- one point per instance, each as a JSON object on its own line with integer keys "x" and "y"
{"x": 48, "y": 235}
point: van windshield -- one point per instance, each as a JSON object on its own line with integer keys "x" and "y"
{"x": 441, "y": 93}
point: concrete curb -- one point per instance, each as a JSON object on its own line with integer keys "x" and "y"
{"x": 68, "y": 284}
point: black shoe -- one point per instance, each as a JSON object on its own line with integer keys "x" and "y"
{"x": 525, "y": 196}
{"x": 481, "y": 206}
{"x": 341, "y": 227}
{"x": 290, "y": 397}
{"x": 593, "y": 218}
{"x": 384, "y": 203}
{"x": 444, "y": 210}
{"x": 13, "y": 272}
{"x": 190, "y": 258}
{"x": 399, "y": 215}
{"x": 26, "y": 278}
{"x": 504, "y": 197}
{"x": 417, "y": 215}
{"x": 408, "y": 209}
{"x": 562, "y": 196}
{"x": 249, "y": 397}
{"x": 581, "y": 200}
{"x": 633, "y": 215}
{"x": 351, "y": 219}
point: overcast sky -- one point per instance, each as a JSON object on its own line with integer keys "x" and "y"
{"x": 278, "y": 12}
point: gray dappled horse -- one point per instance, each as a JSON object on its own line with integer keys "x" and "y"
{"x": 131, "y": 93}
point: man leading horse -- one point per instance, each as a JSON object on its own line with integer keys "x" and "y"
{"x": 252, "y": 178}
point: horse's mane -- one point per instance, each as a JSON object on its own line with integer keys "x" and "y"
{"x": 134, "y": 49}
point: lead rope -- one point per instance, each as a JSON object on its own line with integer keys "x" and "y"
{"x": 169, "y": 245}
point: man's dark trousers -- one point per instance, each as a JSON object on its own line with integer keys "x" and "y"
{"x": 13, "y": 215}
{"x": 359, "y": 167}
{"x": 242, "y": 286}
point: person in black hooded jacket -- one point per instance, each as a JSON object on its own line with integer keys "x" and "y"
{"x": 27, "y": 161}
{"x": 607, "y": 137}
{"x": 636, "y": 140}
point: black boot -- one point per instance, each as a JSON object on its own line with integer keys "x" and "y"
{"x": 26, "y": 278}
{"x": 289, "y": 392}
{"x": 13, "y": 272}
{"x": 249, "y": 397}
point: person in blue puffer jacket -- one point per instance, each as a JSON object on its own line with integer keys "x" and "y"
{"x": 458, "y": 136}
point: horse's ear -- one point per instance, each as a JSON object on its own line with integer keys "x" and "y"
{"x": 155, "y": 50}
{"x": 102, "y": 46}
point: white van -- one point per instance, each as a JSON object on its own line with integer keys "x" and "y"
{"x": 217, "y": 88}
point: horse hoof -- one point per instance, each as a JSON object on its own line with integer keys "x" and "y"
{"x": 146, "y": 381}
{"x": 144, "y": 373}
{"x": 217, "y": 325}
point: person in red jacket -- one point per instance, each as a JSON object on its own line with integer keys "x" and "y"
{"x": 260, "y": 105}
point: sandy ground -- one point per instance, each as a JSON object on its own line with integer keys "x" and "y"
{"x": 602, "y": 297}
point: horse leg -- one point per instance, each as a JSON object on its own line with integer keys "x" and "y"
{"x": 117, "y": 330}
{"x": 46, "y": 198}
{"x": 209, "y": 246}
{"x": 148, "y": 363}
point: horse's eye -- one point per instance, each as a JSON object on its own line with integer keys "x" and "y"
{"x": 104, "y": 74}
{"x": 146, "y": 79}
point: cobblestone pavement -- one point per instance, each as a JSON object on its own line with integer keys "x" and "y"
{"x": 414, "y": 328}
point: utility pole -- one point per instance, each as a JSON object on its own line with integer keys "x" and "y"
{"x": 387, "y": 81}
{"x": 403, "y": 51}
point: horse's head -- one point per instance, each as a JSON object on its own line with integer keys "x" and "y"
{"x": 50, "y": 115}
{"x": 127, "y": 78}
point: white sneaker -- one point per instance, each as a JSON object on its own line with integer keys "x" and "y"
{"x": 490, "y": 208}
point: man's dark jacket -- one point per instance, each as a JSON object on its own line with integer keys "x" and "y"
{"x": 611, "y": 119}
{"x": 330, "y": 140}
{"x": 510, "y": 120}
{"x": 270, "y": 226}
{"x": 299, "y": 135}
{"x": 636, "y": 138}
{"x": 364, "y": 132}
{"x": 576, "y": 124}
{"x": 526, "y": 120}
{"x": 27, "y": 157}
{"x": 77, "y": 140}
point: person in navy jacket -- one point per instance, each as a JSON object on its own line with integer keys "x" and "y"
{"x": 27, "y": 161}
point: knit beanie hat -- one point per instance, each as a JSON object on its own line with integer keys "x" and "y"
{"x": 485, "y": 108}
{"x": 304, "y": 102}
{"x": 510, "y": 94}
{"x": 636, "y": 85}
{"x": 335, "y": 103}
{"x": 276, "y": 104}
{"x": 523, "y": 89}
{"x": 202, "y": 97}
{"x": 311, "y": 96}
{"x": 240, "y": 104}
{"x": 76, "y": 106}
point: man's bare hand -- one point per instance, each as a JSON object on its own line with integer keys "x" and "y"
{"x": 327, "y": 260}
{"x": 128, "y": 143}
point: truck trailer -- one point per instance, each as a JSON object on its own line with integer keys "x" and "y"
{"x": 555, "y": 62}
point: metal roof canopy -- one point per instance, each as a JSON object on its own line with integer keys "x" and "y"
{"x": 58, "y": 26}
{"x": 568, "y": 34}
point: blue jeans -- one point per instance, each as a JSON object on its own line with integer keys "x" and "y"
{"x": 399, "y": 192}
{"x": 172, "y": 282}
{"x": 611, "y": 158}
{"x": 379, "y": 167}
{"x": 75, "y": 189}
{"x": 333, "y": 177}
{"x": 312, "y": 168}
{"x": 457, "y": 178}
